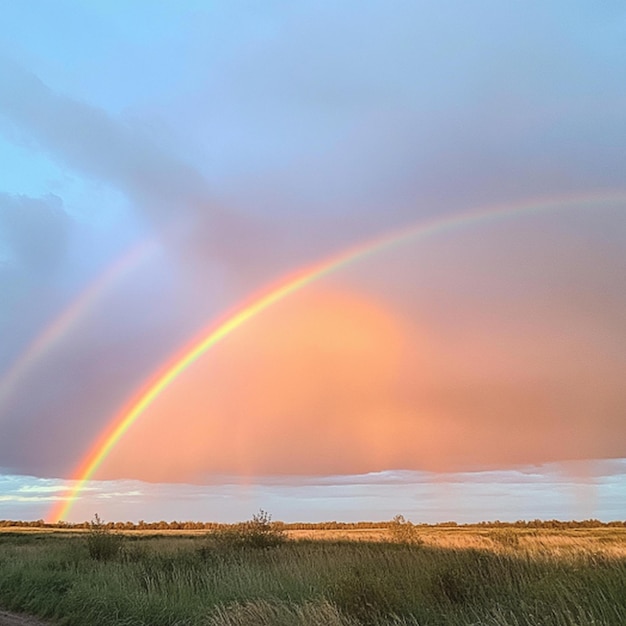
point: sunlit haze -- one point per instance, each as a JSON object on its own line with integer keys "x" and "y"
{"x": 332, "y": 260}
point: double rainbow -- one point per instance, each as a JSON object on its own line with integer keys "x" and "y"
{"x": 290, "y": 284}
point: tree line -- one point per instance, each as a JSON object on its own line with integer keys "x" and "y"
{"x": 331, "y": 525}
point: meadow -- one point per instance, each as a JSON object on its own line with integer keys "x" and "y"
{"x": 258, "y": 574}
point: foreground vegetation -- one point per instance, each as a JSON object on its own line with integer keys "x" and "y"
{"x": 252, "y": 574}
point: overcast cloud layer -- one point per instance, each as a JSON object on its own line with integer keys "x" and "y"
{"x": 244, "y": 140}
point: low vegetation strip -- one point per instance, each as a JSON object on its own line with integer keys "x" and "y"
{"x": 162, "y": 525}
{"x": 253, "y": 575}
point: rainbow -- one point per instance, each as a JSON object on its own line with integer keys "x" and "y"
{"x": 61, "y": 325}
{"x": 290, "y": 284}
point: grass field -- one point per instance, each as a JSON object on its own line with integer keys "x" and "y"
{"x": 431, "y": 576}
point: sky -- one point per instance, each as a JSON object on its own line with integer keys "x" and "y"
{"x": 162, "y": 164}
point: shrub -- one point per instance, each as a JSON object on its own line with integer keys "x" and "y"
{"x": 404, "y": 531}
{"x": 259, "y": 533}
{"x": 102, "y": 544}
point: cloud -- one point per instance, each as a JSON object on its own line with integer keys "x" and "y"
{"x": 170, "y": 193}
{"x": 413, "y": 110}
{"x": 35, "y": 241}
{"x": 35, "y": 230}
{"x": 44, "y": 488}
{"x": 527, "y": 492}
{"x": 92, "y": 142}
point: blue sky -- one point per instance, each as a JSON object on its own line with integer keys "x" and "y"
{"x": 247, "y": 139}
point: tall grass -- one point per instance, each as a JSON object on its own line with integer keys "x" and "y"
{"x": 546, "y": 579}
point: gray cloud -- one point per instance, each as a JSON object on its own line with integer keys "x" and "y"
{"x": 417, "y": 110}
{"x": 35, "y": 230}
{"x": 173, "y": 195}
{"x": 92, "y": 142}
{"x": 35, "y": 237}
{"x": 170, "y": 193}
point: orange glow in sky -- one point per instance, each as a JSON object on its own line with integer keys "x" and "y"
{"x": 285, "y": 394}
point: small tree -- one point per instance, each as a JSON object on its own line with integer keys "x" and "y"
{"x": 103, "y": 545}
{"x": 260, "y": 532}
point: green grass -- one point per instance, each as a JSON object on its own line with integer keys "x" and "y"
{"x": 534, "y": 579}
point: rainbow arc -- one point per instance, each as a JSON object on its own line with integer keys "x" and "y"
{"x": 216, "y": 332}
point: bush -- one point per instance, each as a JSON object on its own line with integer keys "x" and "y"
{"x": 403, "y": 531}
{"x": 259, "y": 533}
{"x": 102, "y": 544}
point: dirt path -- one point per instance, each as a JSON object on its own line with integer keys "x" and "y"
{"x": 19, "y": 619}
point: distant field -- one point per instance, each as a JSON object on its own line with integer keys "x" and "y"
{"x": 582, "y": 539}
{"x": 577, "y": 539}
{"x": 396, "y": 576}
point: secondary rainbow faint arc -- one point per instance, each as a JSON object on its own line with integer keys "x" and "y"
{"x": 290, "y": 284}
{"x": 60, "y": 326}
